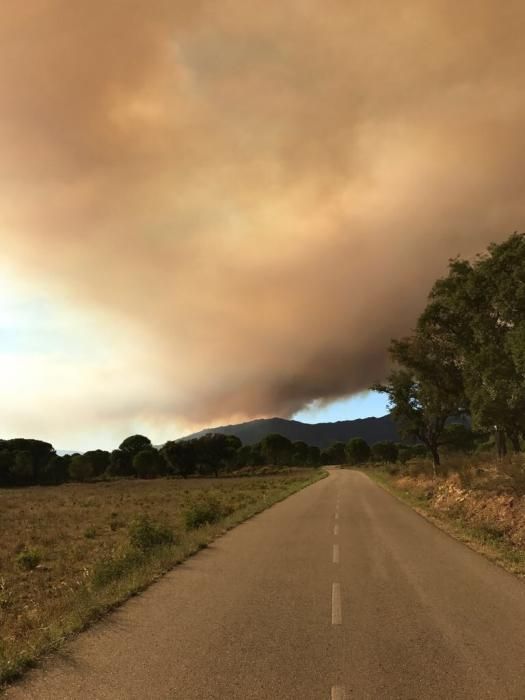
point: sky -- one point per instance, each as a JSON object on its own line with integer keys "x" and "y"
{"x": 212, "y": 212}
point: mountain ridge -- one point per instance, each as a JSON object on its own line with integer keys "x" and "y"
{"x": 322, "y": 435}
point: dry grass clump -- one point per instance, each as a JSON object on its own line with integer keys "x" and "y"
{"x": 484, "y": 498}
{"x": 70, "y": 552}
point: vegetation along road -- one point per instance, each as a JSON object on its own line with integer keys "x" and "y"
{"x": 340, "y": 591}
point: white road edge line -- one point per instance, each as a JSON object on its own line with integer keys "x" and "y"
{"x": 337, "y": 615}
{"x": 336, "y": 530}
{"x": 338, "y": 693}
{"x": 335, "y": 554}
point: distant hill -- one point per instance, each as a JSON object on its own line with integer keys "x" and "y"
{"x": 321, "y": 434}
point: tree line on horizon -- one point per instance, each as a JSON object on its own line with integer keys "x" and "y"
{"x": 25, "y": 462}
{"x": 466, "y": 356}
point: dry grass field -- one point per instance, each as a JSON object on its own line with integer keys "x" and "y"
{"x": 69, "y": 553}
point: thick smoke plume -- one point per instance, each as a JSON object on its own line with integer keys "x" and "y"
{"x": 266, "y": 190}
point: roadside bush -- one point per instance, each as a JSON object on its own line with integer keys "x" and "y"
{"x": 145, "y": 534}
{"x": 29, "y": 559}
{"x": 109, "y": 570}
{"x": 206, "y": 511}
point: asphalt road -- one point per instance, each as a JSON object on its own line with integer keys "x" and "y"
{"x": 338, "y": 592}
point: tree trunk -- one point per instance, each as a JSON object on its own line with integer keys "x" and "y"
{"x": 436, "y": 460}
{"x": 501, "y": 443}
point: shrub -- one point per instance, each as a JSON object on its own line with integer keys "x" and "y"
{"x": 145, "y": 534}
{"x": 206, "y": 511}
{"x": 111, "y": 570}
{"x": 29, "y": 559}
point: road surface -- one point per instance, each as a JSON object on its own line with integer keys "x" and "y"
{"x": 338, "y": 592}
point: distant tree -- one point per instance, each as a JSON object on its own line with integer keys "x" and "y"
{"x": 299, "y": 453}
{"x": 277, "y": 449}
{"x": 135, "y": 444}
{"x": 215, "y": 452}
{"x": 314, "y": 456}
{"x": 99, "y": 460}
{"x": 120, "y": 464}
{"x": 385, "y": 452}
{"x": 7, "y": 459}
{"x": 250, "y": 456}
{"x": 180, "y": 457}
{"x": 80, "y": 469}
{"x": 335, "y": 454}
{"x": 22, "y": 469}
{"x": 40, "y": 451}
{"x": 148, "y": 464}
{"x": 56, "y": 470}
{"x": 357, "y": 451}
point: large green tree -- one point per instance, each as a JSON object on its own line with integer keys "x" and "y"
{"x": 424, "y": 389}
{"x": 478, "y": 309}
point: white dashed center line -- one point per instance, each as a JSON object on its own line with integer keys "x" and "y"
{"x": 335, "y": 554}
{"x": 337, "y": 615}
{"x": 336, "y": 530}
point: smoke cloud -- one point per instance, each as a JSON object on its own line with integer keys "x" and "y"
{"x": 264, "y": 191}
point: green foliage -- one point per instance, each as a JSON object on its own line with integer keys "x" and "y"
{"x": 357, "y": 451}
{"x": 314, "y": 456}
{"x": 22, "y": 469}
{"x": 148, "y": 464}
{"x": 120, "y": 464}
{"x": 335, "y": 454}
{"x": 250, "y": 456}
{"x": 145, "y": 534}
{"x": 56, "y": 471}
{"x": 276, "y": 449}
{"x": 205, "y": 511}
{"x": 215, "y": 452}
{"x": 425, "y": 389}
{"x": 299, "y": 453}
{"x": 7, "y": 459}
{"x": 180, "y": 457}
{"x": 135, "y": 444}
{"x": 99, "y": 460}
{"x": 80, "y": 469}
{"x": 385, "y": 452}
{"x": 116, "y": 568}
{"x": 28, "y": 559}
{"x": 478, "y": 310}
{"x": 459, "y": 438}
